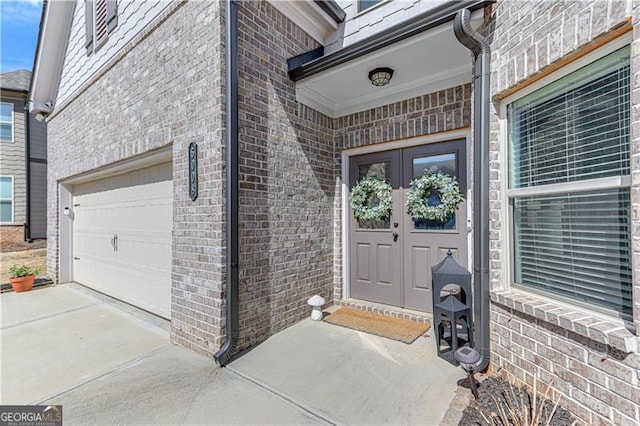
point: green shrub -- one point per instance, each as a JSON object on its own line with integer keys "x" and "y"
{"x": 18, "y": 271}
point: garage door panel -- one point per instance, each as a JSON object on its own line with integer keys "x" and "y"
{"x": 138, "y": 208}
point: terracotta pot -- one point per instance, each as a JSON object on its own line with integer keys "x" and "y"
{"x": 23, "y": 283}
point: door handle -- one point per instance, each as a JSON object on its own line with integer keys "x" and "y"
{"x": 115, "y": 237}
{"x": 395, "y": 236}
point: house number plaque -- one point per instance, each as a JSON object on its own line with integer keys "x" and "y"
{"x": 193, "y": 171}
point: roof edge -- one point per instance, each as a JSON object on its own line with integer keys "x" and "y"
{"x": 331, "y": 8}
{"x": 55, "y": 27}
{"x": 37, "y": 52}
{"x": 416, "y": 25}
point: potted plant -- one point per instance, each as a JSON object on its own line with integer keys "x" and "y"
{"x": 22, "y": 277}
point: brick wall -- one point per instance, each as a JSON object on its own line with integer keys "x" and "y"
{"x": 12, "y": 233}
{"x": 164, "y": 88}
{"x": 286, "y": 180}
{"x": 594, "y": 364}
{"x": 442, "y": 111}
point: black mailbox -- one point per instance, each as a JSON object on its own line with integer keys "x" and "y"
{"x": 451, "y": 306}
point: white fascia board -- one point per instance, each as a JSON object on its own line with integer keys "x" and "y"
{"x": 52, "y": 46}
{"x": 308, "y": 16}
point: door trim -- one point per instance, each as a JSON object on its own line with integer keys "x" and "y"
{"x": 345, "y": 155}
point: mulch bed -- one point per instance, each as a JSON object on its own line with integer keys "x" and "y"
{"x": 39, "y": 282}
{"x": 8, "y": 246}
{"x": 494, "y": 391}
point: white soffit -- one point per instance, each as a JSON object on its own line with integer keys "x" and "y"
{"x": 308, "y": 16}
{"x": 50, "y": 55}
{"x": 428, "y": 62}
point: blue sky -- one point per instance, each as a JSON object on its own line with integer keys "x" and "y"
{"x": 19, "y": 22}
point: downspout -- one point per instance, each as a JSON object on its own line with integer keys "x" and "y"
{"x": 229, "y": 347}
{"x": 27, "y": 162}
{"x": 479, "y": 46}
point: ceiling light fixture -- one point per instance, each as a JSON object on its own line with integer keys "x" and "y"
{"x": 380, "y": 76}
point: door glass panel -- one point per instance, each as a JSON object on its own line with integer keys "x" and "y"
{"x": 382, "y": 171}
{"x": 445, "y": 163}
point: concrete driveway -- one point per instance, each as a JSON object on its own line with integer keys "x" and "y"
{"x": 107, "y": 363}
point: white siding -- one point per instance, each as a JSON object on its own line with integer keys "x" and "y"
{"x": 133, "y": 16}
{"x": 376, "y": 19}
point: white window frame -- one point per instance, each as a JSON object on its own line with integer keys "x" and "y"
{"x": 13, "y": 123}
{"x": 368, "y": 9}
{"x": 506, "y": 228}
{"x": 13, "y": 199}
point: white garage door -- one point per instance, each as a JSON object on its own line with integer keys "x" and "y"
{"x": 122, "y": 237}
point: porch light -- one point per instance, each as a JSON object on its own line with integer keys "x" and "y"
{"x": 380, "y": 76}
{"x": 469, "y": 358}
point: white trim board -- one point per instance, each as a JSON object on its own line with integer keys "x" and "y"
{"x": 13, "y": 123}
{"x": 162, "y": 155}
{"x": 308, "y": 16}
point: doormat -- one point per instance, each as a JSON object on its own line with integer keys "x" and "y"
{"x": 391, "y": 328}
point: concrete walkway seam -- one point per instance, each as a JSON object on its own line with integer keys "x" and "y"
{"x": 313, "y": 411}
{"x": 99, "y": 376}
{"x": 46, "y": 317}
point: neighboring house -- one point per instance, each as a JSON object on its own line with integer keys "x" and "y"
{"x": 23, "y": 163}
{"x": 547, "y": 155}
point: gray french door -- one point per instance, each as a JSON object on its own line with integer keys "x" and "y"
{"x": 390, "y": 261}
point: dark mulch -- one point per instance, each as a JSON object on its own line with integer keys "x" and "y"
{"x": 39, "y": 282}
{"x": 495, "y": 390}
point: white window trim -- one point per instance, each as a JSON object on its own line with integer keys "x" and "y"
{"x": 359, "y": 12}
{"x": 13, "y": 123}
{"x": 13, "y": 200}
{"x": 508, "y": 281}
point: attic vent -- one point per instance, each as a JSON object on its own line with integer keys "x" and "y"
{"x": 101, "y": 22}
{"x": 101, "y": 19}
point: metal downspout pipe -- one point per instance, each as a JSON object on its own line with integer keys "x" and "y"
{"x": 27, "y": 162}
{"x": 479, "y": 46}
{"x": 229, "y": 347}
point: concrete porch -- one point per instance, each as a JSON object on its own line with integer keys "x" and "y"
{"x": 106, "y": 363}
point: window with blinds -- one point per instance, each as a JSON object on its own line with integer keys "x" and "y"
{"x": 569, "y": 186}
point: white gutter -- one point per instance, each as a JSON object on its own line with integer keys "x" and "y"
{"x": 55, "y": 28}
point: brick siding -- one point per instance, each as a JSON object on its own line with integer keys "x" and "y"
{"x": 166, "y": 88}
{"x": 594, "y": 370}
{"x": 11, "y": 233}
{"x": 286, "y": 180}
